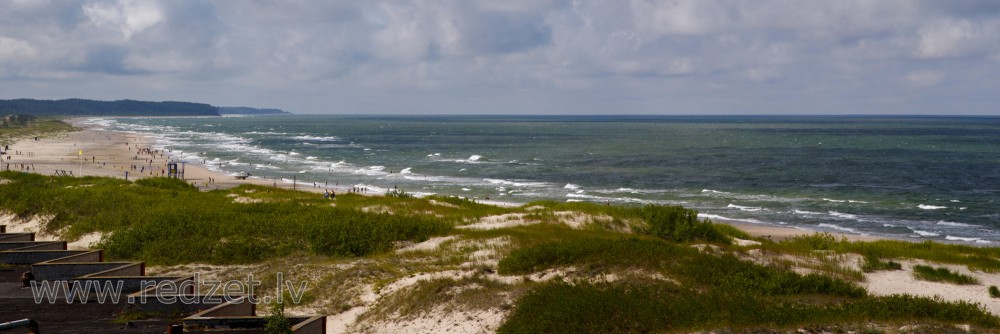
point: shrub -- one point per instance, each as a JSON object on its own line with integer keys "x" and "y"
{"x": 994, "y": 292}
{"x": 677, "y": 224}
{"x": 276, "y": 322}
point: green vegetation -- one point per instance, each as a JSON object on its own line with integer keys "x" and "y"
{"x": 277, "y": 323}
{"x": 684, "y": 264}
{"x": 606, "y": 308}
{"x": 985, "y": 259}
{"x": 81, "y": 107}
{"x": 932, "y": 274}
{"x": 873, "y": 264}
{"x": 13, "y": 127}
{"x": 606, "y": 269}
{"x": 994, "y": 291}
{"x": 167, "y": 221}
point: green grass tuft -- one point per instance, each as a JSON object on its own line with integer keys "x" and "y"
{"x": 932, "y": 274}
{"x": 994, "y": 291}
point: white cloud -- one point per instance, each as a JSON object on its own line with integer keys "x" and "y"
{"x": 924, "y": 78}
{"x": 597, "y": 55}
{"x": 12, "y": 49}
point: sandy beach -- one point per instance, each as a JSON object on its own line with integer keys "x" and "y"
{"x": 96, "y": 152}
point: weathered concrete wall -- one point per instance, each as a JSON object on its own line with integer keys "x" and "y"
{"x": 87, "y": 256}
{"x": 32, "y": 256}
{"x": 129, "y": 284}
{"x": 44, "y": 245}
{"x": 129, "y": 269}
{"x": 236, "y": 308}
{"x": 314, "y": 325}
{"x": 12, "y": 245}
{"x": 8, "y": 237}
{"x": 65, "y": 271}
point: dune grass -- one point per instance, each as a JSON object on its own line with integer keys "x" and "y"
{"x": 166, "y": 221}
{"x": 606, "y": 308}
{"x": 932, "y": 274}
{"x": 985, "y": 259}
{"x": 37, "y": 127}
{"x": 994, "y": 291}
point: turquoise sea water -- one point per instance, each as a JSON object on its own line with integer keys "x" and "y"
{"x": 915, "y": 178}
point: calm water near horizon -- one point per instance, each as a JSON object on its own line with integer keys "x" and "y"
{"x": 917, "y": 178}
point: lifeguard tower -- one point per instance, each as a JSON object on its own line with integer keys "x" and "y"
{"x": 174, "y": 172}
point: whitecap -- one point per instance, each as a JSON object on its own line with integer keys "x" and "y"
{"x": 571, "y": 186}
{"x": 954, "y": 238}
{"x": 744, "y": 208}
{"x": 718, "y": 217}
{"x": 316, "y": 138}
{"x": 837, "y": 227}
{"x": 475, "y": 157}
{"x": 925, "y": 233}
{"x": 947, "y": 223}
{"x": 842, "y": 215}
{"x": 804, "y": 212}
{"x": 931, "y": 207}
{"x": 405, "y": 171}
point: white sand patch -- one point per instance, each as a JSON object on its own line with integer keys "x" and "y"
{"x": 499, "y": 221}
{"x": 244, "y": 200}
{"x": 34, "y": 225}
{"x": 377, "y": 209}
{"x": 745, "y": 243}
{"x": 429, "y": 245}
{"x": 4, "y": 181}
{"x": 444, "y": 204}
{"x": 902, "y": 281}
{"x": 534, "y": 208}
{"x": 85, "y": 241}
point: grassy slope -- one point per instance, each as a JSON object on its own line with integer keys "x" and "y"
{"x": 662, "y": 284}
{"x": 39, "y": 127}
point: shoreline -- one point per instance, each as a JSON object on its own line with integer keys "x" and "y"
{"x": 113, "y": 153}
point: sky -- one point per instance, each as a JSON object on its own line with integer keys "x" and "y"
{"x": 611, "y": 57}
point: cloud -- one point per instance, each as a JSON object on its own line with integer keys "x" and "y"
{"x": 595, "y": 56}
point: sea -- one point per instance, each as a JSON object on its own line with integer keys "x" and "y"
{"x": 912, "y": 178}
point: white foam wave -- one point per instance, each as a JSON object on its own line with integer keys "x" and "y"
{"x": 843, "y": 200}
{"x": 925, "y": 233}
{"x": 931, "y": 207}
{"x": 718, "y": 217}
{"x": 947, "y": 223}
{"x": 744, "y": 208}
{"x": 976, "y": 240}
{"x": 804, "y": 212}
{"x": 837, "y": 227}
{"x": 316, "y": 138}
{"x": 406, "y": 171}
{"x": 517, "y": 183}
{"x": 571, "y": 186}
{"x": 842, "y": 215}
{"x": 474, "y": 157}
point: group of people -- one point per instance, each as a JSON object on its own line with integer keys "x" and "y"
{"x": 328, "y": 194}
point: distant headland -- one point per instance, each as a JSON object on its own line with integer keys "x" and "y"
{"x": 82, "y": 107}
